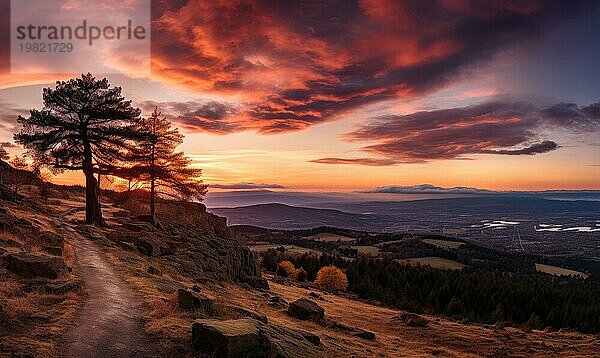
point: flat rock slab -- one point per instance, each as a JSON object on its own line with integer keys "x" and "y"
{"x": 27, "y": 265}
{"x": 305, "y": 309}
{"x": 248, "y": 337}
{"x": 232, "y": 338}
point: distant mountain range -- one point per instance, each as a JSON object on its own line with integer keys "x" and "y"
{"x": 473, "y": 215}
{"x": 393, "y": 193}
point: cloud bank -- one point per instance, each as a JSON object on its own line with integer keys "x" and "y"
{"x": 244, "y": 185}
{"x": 427, "y": 189}
{"x": 498, "y": 127}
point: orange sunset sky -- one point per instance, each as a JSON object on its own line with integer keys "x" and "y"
{"x": 345, "y": 95}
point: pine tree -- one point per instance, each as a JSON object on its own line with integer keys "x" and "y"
{"x": 158, "y": 164}
{"x": 85, "y": 125}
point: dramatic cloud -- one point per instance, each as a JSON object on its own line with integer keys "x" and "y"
{"x": 8, "y": 116}
{"x": 294, "y": 64}
{"x": 427, "y": 189}
{"x": 247, "y": 186}
{"x": 207, "y": 116}
{"x": 500, "y": 127}
{"x": 537, "y": 148}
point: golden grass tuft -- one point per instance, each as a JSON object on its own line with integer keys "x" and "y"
{"x": 10, "y": 288}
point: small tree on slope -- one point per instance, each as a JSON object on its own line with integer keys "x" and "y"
{"x": 157, "y": 164}
{"x": 85, "y": 125}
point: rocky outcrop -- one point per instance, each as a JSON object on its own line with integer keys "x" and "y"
{"x": 51, "y": 239}
{"x": 53, "y": 250}
{"x": 26, "y": 265}
{"x": 193, "y": 301}
{"x": 256, "y": 282}
{"x": 59, "y": 288}
{"x": 250, "y": 338}
{"x": 412, "y": 320}
{"x": 197, "y": 244}
{"x": 353, "y": 331}
{"x": 305, "y": 309}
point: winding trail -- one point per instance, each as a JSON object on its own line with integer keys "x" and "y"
{"x": 110, "y": 322}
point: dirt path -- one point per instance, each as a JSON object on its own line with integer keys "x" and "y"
{"x": 109, "y": 323}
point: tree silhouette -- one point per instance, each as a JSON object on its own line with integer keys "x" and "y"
{"x": 4, "y": 154}
{"x": 158, "y": 165}
{"x": 18, "y": 176}
{"x": 85, "y": 125}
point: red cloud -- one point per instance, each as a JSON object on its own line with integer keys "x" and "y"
{"x": 296, "y": 64}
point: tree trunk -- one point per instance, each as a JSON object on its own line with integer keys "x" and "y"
{"x": 152, "y": 194}
{"x": 93, "y": 213}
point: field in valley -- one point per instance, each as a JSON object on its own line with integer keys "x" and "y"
{"x": 433, "y": 261}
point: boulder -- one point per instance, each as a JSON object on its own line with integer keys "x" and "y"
{"x": 353, "y": 331}
{"x": 138, "y": 227}
{"x": 150, "y": 219}
{"x": 55, "y": 288}
{"x": 53, "y": 250}
{"x": 281, "y": 341}
{"x": 256, "y": 282}
{"x": 250, "y": 338}
{"x": 277, "y": 301}
{"x": 192, "y": 301}
{"x": 244, "y": 312}
{"x": 232, "y": 338}
{"x": 149, "y": 247}
{"x": 412, "y": 320}
{"x": 153, "y": 270}
{"x": 51, "y": 239}
{"x": 11, "y": 243}
{"x": 361, "y": 333}
{"x": 26, "y": 265}
{"x": 305, "y": 309}
{"x": 316, "y": 296}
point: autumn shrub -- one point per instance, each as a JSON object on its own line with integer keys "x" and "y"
{"x": 299, "y": 275}
{"x": 285, "y": 269}
{"x": 331, "y": 278}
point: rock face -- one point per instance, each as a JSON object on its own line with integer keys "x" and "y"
{"x": 190, "y": 241}
{"x": 305, "y": 309}
{"x": 257, "y": 282}
{"x": 26, "y": 265}
{"x": 250, "y": 338}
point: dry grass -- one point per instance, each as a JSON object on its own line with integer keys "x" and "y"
{"x": 69, "y": 254}
{"x": 444, "y": 244}
{"x": 31, "y": 323}
{"x": 394, "y": 338}
{"x": 559, "y": 271}
{"x": 367, "y": 250}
